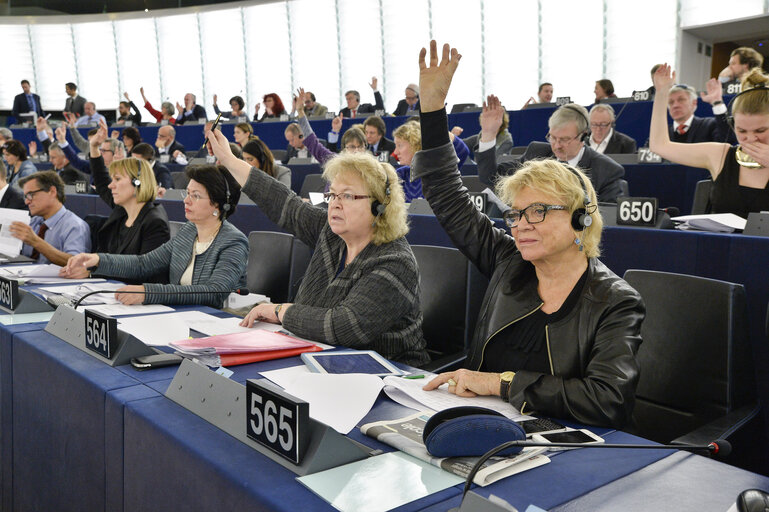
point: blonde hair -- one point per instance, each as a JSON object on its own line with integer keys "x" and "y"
{"x": 756, "y": 102}
{"x": 411, "y": 133}
{"x": 393, "y": 223}
{"x": 148, "y": 186}
{"x": 560, "y": 181}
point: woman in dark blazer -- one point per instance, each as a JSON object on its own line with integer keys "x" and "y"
{"x": 137, "y": 224}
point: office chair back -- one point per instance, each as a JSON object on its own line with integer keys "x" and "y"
{"x": 463, "y": 107}
{"x": 701, "y": 203}
{"x": 695, "y": 356}
{"x": 174, "y": 226}
{"x": 95, "y": 223}
{"x": 269, "y": 264}
{"x": 312, "y": 183}
{"x": 180, "y": 180}
{"x": 300, "y": 259}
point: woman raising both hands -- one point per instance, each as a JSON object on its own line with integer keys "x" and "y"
{"x": 740, "y": 173}
{"x": 558, "y": 332}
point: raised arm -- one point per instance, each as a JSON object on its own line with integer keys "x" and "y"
{"x": 707, "y": 155}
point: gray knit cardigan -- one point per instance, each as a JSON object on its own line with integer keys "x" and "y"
{"x": 221, "y": 267}
{"x": 373, "y": 304}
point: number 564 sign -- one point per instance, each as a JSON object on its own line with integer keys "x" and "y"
{"x": 277, "y": 420}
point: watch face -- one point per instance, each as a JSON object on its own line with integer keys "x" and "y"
{"x": 507, "y": 376}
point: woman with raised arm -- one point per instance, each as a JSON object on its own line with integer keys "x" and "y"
{"x": 740, "y": 173}
{"x": 557, "y": 332}
{"x": 207, "y": 256}
{"x": 361, "y": 288}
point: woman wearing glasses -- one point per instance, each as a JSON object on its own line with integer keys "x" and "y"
{"x": 558, "y": 332}
{"x": 208, "y": 255}
{"x": 361, "y": 288}
{"x": 740, "y": 173}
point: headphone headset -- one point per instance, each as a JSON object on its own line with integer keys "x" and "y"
{"x": 378, "y": 208}
{"x": 136, "y": 182}
{"x": 730, "y": 116}
{"x": 581, "y": 217}
{"x": 226, "y": 206}
{"x": 586, "y": 134}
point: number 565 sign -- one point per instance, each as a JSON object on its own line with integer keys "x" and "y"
{"x": 277, "y": 420}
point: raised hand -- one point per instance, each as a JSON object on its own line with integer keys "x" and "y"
{"x": 100, "y": 135}
{"x": 114, "y": 134}
{"x": 299, "y": 102}
{"x": 491, "y": 118}
{"x": 61, "y": 133}
{"x": 141, "y": 90}
{"x": 457, "y": 130}
{"x": 256, "y": 110}
{"x": 435, "y": 79}
{"x": 714, "y": 91}
{"x": 179, "y": 108}
{"x": 336, "y": 124}
{"x": 664, "y": 78}
{"x": 41, "y": 124}
{"x": 32, "y": 148}
{"x": 214, "y": 99}
{"x": 374, "y": 82}
{"x": 125, "y": 95}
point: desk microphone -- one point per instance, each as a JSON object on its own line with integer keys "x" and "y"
{"x": 239, "y": 291}
{"x": 720, "y": 448}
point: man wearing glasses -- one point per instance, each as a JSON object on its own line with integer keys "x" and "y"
{"x": 603, "y": 137}
{"x": 565, "y": 143}
{"x": 55, "y": 234}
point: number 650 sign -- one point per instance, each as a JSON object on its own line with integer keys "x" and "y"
{"x": 637, "y": 211}
{"x": 277, "y": 420}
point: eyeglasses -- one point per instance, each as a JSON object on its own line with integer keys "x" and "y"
{"x": 195, "y": 196}
{"x": 344, "y": 198}
{"x": 29, "y": 196}
{"x": 600, "y": 125}
{"x": 534, "y": 213}
{"x": 561, "y": 140}
{"x": 353, "y": 147}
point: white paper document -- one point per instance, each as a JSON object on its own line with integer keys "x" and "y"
{"x": 30, "y": 271}
{"x": 714, "y": 222}
{"x": 75, "y": 291}
{"x": 156, "y": 330}
{"x": 339, "y": 401}
{"x": 122, "y": 309}
{"x": 9, "y": 244}
{"x": 409, "y": 392}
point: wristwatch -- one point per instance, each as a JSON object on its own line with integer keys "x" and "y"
{"x": 505, "y": 379}
{"x": 277, "y": 310}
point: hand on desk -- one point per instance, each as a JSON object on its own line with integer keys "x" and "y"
{"x": 74, "y": 273}
{"x": 129, "y": 299}
{"x": 264, "y": 313}
{"x": 467, "y": 383}
{"x": 76, "y": 264}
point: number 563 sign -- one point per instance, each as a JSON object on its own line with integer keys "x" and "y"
{"x": 277, "y": 420}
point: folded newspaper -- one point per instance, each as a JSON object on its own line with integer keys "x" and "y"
{"x": 405, "y": 434}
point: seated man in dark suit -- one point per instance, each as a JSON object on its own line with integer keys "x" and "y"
{"x": 26, "y": 102}
{"x": 10, "y": 197}
{"x": 144, "y": 151}
{"x": 375, "y": 136}
{"x": 354, "y": 106}
{"x": 603, "y": 137}
{"x": 191, "y": 112}
{"x": 568, "y": 127}
{"x": 168, "y": 148}
{"x": 410, "y": 103}
{"x": 74, "y": 103}
{"x": 295, "y": 148}
{"x": 689, "y": 128}
{"x": 125, "y": 108}
{"x": 68, "y": 174}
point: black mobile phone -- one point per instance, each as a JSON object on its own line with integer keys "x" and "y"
{"x": 156, "y": 361}
{"x": 213, "y": 127}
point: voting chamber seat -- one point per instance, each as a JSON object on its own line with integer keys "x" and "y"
{"x": 269, "y": 264}
{"x": 697, "y": 381}
{"x": 300, "y": 259}
{"x": 701, "y": 203}
{"x": 278, "y": 154}
{"x": 180, "y": 179}
{"x": 95, "y": 223}
{"x": 451, "y": 290}
{"x": 174, "y": 226}
{"x": 312, "y": 183}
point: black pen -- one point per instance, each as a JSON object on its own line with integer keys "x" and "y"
{"x": 213, "y": 127}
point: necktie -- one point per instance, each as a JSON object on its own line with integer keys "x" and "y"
{"x": 353, "y": 112}
{"x": 681, "y": 129}
{"x": 68, "y": 106}
{"x": 41, "y": 233}
{"x": 31, "y": 103}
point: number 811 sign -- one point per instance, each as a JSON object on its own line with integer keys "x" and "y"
{"x": 277, "y": 420}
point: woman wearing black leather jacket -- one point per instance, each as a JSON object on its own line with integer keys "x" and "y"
{"x": 557, "y": 332}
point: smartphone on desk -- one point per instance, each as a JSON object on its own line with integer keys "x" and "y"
{"x": 568, "y": 436}
{"x": 156, "y": 361}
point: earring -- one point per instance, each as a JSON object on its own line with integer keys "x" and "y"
{"x": 578, "y": 241}
{"x": 216, "y": 213}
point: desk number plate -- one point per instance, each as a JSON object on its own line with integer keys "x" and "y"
{"x": 479, "y": 200}
{"x": 647, "y": 156}
{"x": 277, "y": 420}
{"x": 100, "y": 334}
{"x": 9, "y": 293}
{"x": 637, "y": 211}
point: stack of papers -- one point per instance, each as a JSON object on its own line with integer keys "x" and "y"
{"x": 9, "y": 244}
{"x": 714, "y": 222}
{"x": 76, "y": 291}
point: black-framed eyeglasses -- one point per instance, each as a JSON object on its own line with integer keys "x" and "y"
{"x": 344, "y": 198}
{"x": 29, "y": 196}
{"x": 561, "y": 140}
{"x": 600, "y": 125}
{"x": 534, "y": 213}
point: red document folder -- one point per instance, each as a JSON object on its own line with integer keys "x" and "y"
{"x": 253, "y": 357}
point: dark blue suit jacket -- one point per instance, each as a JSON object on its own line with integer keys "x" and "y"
{"x": 21, "y": 105}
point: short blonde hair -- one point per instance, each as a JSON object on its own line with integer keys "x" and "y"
{"x": 148, "y": 186}
{"x": 393, "y": 223}
{"x": 411, "y": 133}
{"x": 560, "y": 181}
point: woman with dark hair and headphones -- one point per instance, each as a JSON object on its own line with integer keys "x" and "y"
{"x": 137, "y": 224}
{"x": 361, "y": 288}
{"x": 208, "y": 255}
{"x": 740, "y": 173}
{"x": 257, "y": 154}
{"x": 558, "y": 332}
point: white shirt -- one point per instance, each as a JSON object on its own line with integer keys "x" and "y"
{"x": 2, "y": 191}
{"x": 605, "y": 142}
{"x": 688, "y": 124}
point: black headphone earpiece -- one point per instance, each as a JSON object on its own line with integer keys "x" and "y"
{"x": 586, "y": 134}
{"x": 137, "y": 180}
{"x": 378, "y": 208}
{"x": 581, "y": 218}
{"x": 729, "y": 115}
{"x": 226, "y": 206}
